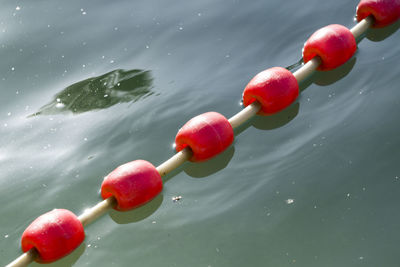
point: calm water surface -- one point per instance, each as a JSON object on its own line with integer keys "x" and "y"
{"x": 88, "y": 85}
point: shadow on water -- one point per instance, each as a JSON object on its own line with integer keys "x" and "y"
{"x": 324, "y": 78}
{"x": 137, "y": 214}
{"x": 101, "y": 92}
{"x": 67, "y": 261}
{"x": 380, "y": 34}
{"x": 214, "y": 165}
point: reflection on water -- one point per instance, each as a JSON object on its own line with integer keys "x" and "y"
{"x": 295, "y": 65}
{"x": 117, "y": 86}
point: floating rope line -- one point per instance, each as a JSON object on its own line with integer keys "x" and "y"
{"x": 190, "y": 140}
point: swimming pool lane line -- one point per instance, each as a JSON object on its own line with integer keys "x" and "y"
{"x": 184, "y": 155}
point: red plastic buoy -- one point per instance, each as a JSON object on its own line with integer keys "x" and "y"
{"x": 132, "y": 184}
{"x": 54, "y": 235}
{"x": 275, "y": 89}
{"x": 334, "y": 44}
{"x": 207, "y": 135}
{"x": 385, "y": 12}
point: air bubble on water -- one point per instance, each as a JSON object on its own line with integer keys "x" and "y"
{"x": 85, "y": 139}
{"x": 199, "y": 14}
{"x": 60, "y": 105}
{"x": 17, "y": 8}
{"x": 147, "y": 47}
{"x": 111, "y": 61}
{"x": 9, "y": 114}
{"x": 290, "y": 201}
{"x": 12, "y": 68}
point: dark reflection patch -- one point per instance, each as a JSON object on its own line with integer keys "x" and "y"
{"x": 117, "y": 86}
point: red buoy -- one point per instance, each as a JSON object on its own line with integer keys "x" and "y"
{"x": 132, "y": 184}
{"x": 385, "y": 12}
{"x": 54, "y": 235}
{"x": 207, "y": 135}
{"x": 274, "y": 88}
{"x": 334, "y": 44}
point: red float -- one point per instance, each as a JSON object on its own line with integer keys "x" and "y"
{"x": 132, "y": 184}
{"x": 274, "y": 89}
{"x": 207, "y": 135}
{"x": 54, "y": 235}
{"x": 334, "y": 44}
{"x": 385, "y": 12}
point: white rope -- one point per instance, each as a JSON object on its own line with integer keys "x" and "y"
{"x": 245, "y": 114}
{"x": 175, "y": 161}
{"x": 24, "y": 259}
{"x": 307, "y": 69}
{"x": 360, "y": 28}
{"x": 96, "y": 211}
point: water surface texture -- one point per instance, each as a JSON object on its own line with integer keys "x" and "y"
{"x": 88, "y": 85}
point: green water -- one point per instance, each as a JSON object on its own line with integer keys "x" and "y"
{"x": 88, "y": 85}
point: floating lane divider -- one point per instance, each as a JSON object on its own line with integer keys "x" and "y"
{"x": 57, "y": 233}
